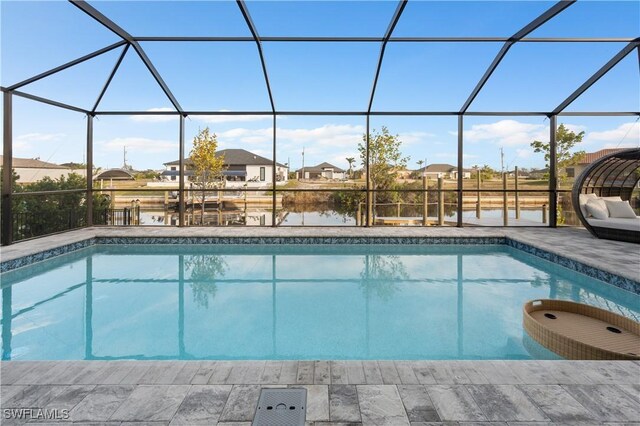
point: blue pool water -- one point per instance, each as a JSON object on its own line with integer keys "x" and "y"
{"x": 286, "y": 302}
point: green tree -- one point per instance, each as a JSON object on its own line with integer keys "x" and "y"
{"x": 207, "y": 166}
{"x": 385, "y": 159}
{"x": 566, "y": 140}
{"x": 486, "y": 172}
{"x": 146, "y": 174}
{"x": 47, "y": 213}
{"x": 350, "y": 160}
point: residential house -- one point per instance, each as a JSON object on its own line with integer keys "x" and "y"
{"x": 589, "y": 157}
{"x": 241, "y": 168}
{"x": 321, "y": 171}
{"x": 32, "y": 170}
{"x": 445, "y": 171}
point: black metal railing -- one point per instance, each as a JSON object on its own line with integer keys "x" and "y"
{"x": 30, "y": 224}
{"x": 117, "y": 217}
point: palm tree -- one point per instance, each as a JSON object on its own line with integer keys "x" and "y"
{"x": 350, "y": 160}
{"x": 419, "y": 163}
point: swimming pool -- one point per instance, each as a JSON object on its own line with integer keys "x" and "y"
{"x": 286, "y": 301}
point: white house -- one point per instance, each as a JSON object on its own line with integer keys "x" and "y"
{"x": 446, "y": 171}
{"x": 241, "y": 168}
{"x": 322, "y": 170}
{"x": 32, "y": 170}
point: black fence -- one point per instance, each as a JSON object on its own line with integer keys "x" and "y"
{"x": 30, "y": 224}
{"x": 117, "y": 217}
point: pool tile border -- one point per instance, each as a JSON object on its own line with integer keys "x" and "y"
{"x": 593, "y": 272}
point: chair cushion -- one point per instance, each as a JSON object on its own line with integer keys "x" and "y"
{"x": 583, "y": 199}
{"x": 597, "y": 209}
{"x": 620, "y": 209}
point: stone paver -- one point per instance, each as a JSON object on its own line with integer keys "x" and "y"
{"x": 343, "y": 404}
{"x": 151, "y": 403}
{"x": 584, "y": 393}
{"x": 101, "y": 403}
{"x": 417, "y": 403}
{"x": 202, "y": 405}
{"x": 241, "y": 403}
{"x": 454, "y": 402}
{"x": 505, "y": 402}
{"x": 381, "y": 405}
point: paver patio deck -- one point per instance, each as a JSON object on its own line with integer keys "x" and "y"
{"x": 338, "y": 392}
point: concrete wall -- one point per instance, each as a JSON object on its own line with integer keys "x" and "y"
{"x": 31, "y": 175}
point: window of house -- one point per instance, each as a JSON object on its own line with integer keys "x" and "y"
{"x": 262, "y": 174}
{"x": 173, "y": 168}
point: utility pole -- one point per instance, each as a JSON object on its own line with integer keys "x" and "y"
{"x": 502, "y": 159}
{"x": 302, "y": 177}
{"x": 124, "y": 157}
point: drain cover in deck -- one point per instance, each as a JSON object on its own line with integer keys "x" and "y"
{"x": 281, "y": 407}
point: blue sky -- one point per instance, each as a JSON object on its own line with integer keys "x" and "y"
{"x": 37, "y": 36}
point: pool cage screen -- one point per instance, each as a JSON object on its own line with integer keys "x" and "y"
{"x": 131, "y": 43}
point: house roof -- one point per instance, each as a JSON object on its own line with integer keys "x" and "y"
{"x": 33, "y": 163}
{"x": 234, "y": 157}
{"x": 116, "y": 174}
{"x": 590, "y": 157}
{"x": 321, "y": 167}
{"x": 438, "y": 168}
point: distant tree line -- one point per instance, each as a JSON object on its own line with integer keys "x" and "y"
{"x": 49, "y": 213}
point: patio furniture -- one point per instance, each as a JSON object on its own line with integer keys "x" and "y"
{"x": 601, "y": 196}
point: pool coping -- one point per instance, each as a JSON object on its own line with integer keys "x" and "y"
{"x": 523, "y": 241}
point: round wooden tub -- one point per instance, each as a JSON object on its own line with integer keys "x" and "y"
{"x": 577, "y": 331}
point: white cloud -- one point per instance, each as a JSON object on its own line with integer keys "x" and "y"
{"x": 409, "y": 138}
{"x": 39, "y": 137}
{"x": 451, "y": 155}
{"x": 230, "y": 118}
{"x": 248, "y": 136}
{"x": 155, "y": 118}
{"x": 330, "y": 135}
{"x": 575, "y": 128}
{"x": 506, "y": 133}
{"x": 627, "y": 134}
{"x": 145, "y": 145}
{"x": 23, "y": 145}
{"x": 524, "y": 152}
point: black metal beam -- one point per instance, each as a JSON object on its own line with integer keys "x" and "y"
{"x": 106, "y": 22}
{"x": 256, "y": 37}
{"x": 527, "y": 29}
{"x": 7, "y": 168}
{"x": 381, "y": 39}
{"x": 116, "y": 29}
{"x": 273, "y": 176}
{"x": 45, "y": 100}
{"x": 113, "y": 73}
{"x": 181, "y": 199}
{"x": 67, "y": 65}
{"x": 553, "y": 172}
{"x": 89, "y": 170}
{"x": 377, "y": 113}
{"x": 394, "y": 21}
{"x": 598, "y": 74}
{"x": 460, "y": 169}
